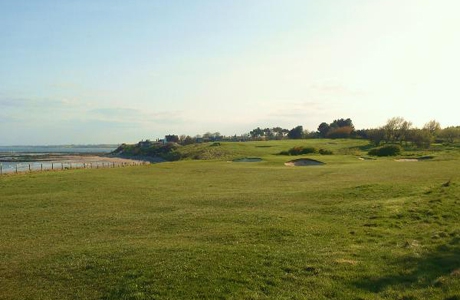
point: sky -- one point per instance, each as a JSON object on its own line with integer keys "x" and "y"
{"x": 108, "y": 71}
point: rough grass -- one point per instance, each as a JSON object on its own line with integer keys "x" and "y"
{"x": 350, "y": 229}
{"x": 230, "y": 150}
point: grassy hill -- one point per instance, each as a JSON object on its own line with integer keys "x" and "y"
{"x": 349, "y": 229}
{"x": 232, "y": 150}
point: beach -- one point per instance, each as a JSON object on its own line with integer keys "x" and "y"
{"x": 15, "y": 162}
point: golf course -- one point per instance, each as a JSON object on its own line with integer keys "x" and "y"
{"x": 240, "y": 222}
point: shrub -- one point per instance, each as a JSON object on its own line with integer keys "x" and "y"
{"x": 325, "y": 152}
{"x": 387, "y": 150}
{"x": 299, "y": 150}
{"x": 374, "y": 152}
{"x": 171, "y": 156}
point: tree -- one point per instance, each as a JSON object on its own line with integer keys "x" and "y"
{"x": 433, "y": 127}
{"x": 296, "y": 133}
{"x": 421, "y": 138}
{"x": 216, "y": 136}
{"x": 182, "y": 138}
{"x": 450, "y": 134}
{"x": 404, "y": 131}
{"x": 323, "y": 129}
{"x": 256, "y": 133}
{"x": 188, "y": 140}
{"x": 340, "y": 132}
{"x": 396, "y": 129}
{"x": 279, "y": 132}
{"x": 376, "y": 136}
{"x": 172, "y": 138}
{"x": 362, "y": 133}
{"x": 268, "y": 133}
{"x": 207, "y": 135}
{"x": 342, "y": 123}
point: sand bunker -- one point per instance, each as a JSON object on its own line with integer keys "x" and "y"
{"x": 415, "y": 159}
{"x": 248, "y": 159}
{"x": 303, "y": 162}
{"x": 407, "y": 159}
{"x": 366, "y": 158}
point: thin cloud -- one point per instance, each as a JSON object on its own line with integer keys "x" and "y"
{"x": 131, "y": 115}
{"x": 28, "y": 103}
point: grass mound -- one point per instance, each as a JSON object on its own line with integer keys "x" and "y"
{"x": 387, "y": 150}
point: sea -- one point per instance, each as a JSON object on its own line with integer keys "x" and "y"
{"x": 30, "y": 158}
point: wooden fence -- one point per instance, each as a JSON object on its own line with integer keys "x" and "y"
{"x": 55, "y": 166}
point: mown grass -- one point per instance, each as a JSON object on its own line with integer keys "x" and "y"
{"x": 349, "y": 229}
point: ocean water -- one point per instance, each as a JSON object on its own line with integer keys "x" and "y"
{"x": 18, "y": 150}
{"x": 8, "y": 153}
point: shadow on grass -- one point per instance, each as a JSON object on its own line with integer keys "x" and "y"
{"x": 365, "y": 147}
{"x": 431, "y": 270}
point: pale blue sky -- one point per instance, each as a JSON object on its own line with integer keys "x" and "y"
{"x": 92, "y": 71}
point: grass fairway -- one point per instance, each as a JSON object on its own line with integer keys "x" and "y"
{"x": 349, "y": 229}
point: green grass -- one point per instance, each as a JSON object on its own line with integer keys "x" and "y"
{"x": 349, "y": 229}
{"x": 230, "y": 150}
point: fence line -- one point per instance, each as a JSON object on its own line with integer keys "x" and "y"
{"x": 41, "y": 167}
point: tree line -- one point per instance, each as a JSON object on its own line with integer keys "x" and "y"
{"x": 397, "y": 130}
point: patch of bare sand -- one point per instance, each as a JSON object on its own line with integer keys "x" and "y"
{"x": 410, "y": 159}
{"x": 407, "y": 159}
{"x": 366, "y": 158}
{"x": 93, "y": 159}
{"x": 303, "y": 162}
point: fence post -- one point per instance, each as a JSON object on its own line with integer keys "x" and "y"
{"x": 1, "y": 169}
{"x": 62, "y": 166}
{"x": 41, "y": 167}
{"x": 16, "y": 168}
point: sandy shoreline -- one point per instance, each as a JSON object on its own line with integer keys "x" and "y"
{"x": 92, "y": 159}
{"x": 74, "y": 158}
